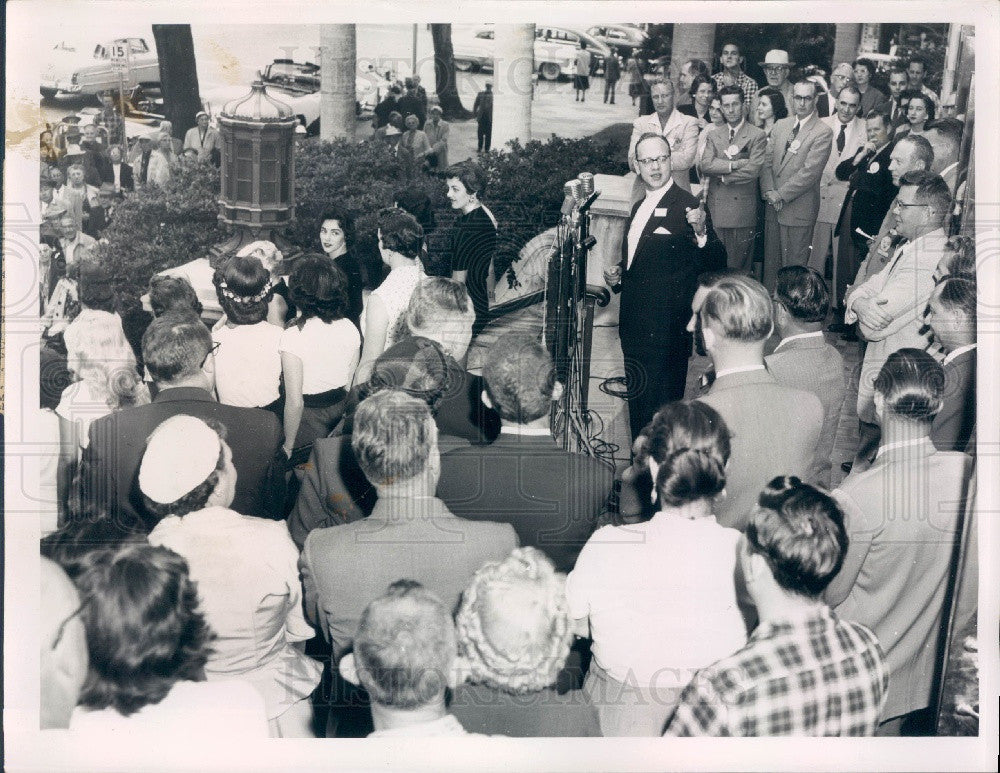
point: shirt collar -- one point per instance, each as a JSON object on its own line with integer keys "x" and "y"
{"x": 525, "y": 431}
{"x": 900, "y": 444}
{"x": 743, "y": 369}
{"x": 657, "y": 192}
{"x": 959, "y": 351}
{"x": 783, "y": 341}
{"x": 947, "y": 169}
{"x": 803, "y": 121}
{"x": 736, "y": 129}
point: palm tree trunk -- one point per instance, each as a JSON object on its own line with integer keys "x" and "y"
{"x": 513, "y": 66}
{"x": 338, "y": 56}
{"x": 445, "y": 83}
{"x": 178, "y": 75}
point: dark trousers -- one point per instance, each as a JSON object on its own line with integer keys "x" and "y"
{"x": 609, "y": 91}
{"x": 484, "y": 135}
{"x": 851, "y": 250}
{"x": 654, "y": 376}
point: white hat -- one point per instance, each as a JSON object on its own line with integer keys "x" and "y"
{"x": 776, "y": 56}
{"x": 180, "y": 455}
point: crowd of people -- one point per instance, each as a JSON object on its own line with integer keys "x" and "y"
{"x": 309, "y": 518}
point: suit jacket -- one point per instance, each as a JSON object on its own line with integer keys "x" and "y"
{"x": 346, "y": 567}
{"x": 870, "y": 191}
{"x": 658, "y": 287}
{"x": 117, "y": 442}
{"x": 681, "y": 132}
{"x": 902, "y": 516}
{"x": 795, "y": 173}
{"x": 212, "y": 141}
{"x": 774, "y": 431}
{"x": 126, "y": 179}
{"x": 833, "y": 190}
{"x": 551, "y": 497}
{"x": 732, "y": 196}
{"x": 437, "y": 136}
{"x": 954, "y": 427}
{"x": 813, "y": 365}
{"x": 905, "y": 285}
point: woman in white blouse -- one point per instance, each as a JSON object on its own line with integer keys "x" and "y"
{"x": 659, "y": 598}
{"x": 319, "y": 353}
{"x": 400, "y": 240}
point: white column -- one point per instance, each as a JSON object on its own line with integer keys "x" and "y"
{"x": 338, "y": 62}
{"x": 513, "y": 66}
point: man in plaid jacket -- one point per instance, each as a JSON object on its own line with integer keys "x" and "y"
{"x": 803, "y": 671}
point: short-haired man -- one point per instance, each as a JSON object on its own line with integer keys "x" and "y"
{"x": 437, "y": 132}
{"x": 177, "y": 351}
{"x": 945, "y": 137}
{"x": 732, "y": 160}
{"x": 888, "y": 305}
{"x": 916, "y": 71}
{"x": 482, "y": 108}
{"x": 848, "y": 137}
{"x": 790, "y": 180}
{"x": 409, "y": 532}
{"x": 551, "y": 497}
{"x": 203, "y": 139}
{"x": 952, "y": 319}
{"x": 804, "y": 360}
{"x": 679, "y": 130}
{"x": 893, "y": 107}
{"x": 663, "y": 252}
{"x": 841, "y": 77}
{"x": 775, "y": 428}
{"x": 405, "y": 655}
{"x": 690, "y": 70}
{"x": 731, "y": 74}
{"x": 804, "y": 671}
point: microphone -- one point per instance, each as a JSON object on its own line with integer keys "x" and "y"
{"x": 571, "y": 192}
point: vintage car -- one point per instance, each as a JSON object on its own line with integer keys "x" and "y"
{"x": 555, "y": 51}
{"x": 625, "y": 38}
{"x": 83, "y": 70}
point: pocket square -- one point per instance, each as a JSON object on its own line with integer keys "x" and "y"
{"x": 660, "y": 212}
{"x": 662, "y": 231}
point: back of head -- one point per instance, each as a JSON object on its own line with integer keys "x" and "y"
{"x": 739, "y": 309}
{"x": 800, "y": 531}
{"x": 417, "y": 367}
{"x": 520, "y": 378}
{"x": 931, "y": 190}
{"x": 513, "y": 625}
{"x": 318, "y": 288}
{"x": 173, "y": 294}
{"x": 923, "y": 153}
{"x": 436, "y": 301}
{"x": 961, "y": 257}
{"x": 95, "y": 287}
{"x": 945, "y": 135}
{"x": 911, "y": 385}
{"x": 63, "y": 657}
{"x": 404, "y": 648}
{"x": 72, "y": 544}
{"x": 414, "y": 199}
{"x": 98, "y": 353}
{"x": 688, "y": 449}
{"x": 394, "y": 436}
{"x": 144, "y": 630}
{"x": 957, "y": 292}
{"x": 175, "y": 346}
{"x": 802, "y": 291}
{"x": 243, "y": 287}
{"x": 400, "y": 232}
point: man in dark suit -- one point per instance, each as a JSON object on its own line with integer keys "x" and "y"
{"x": 774, "y": 428}
{"x": 551, "y": 497}
{"x": 177, "y": 351}
{"x": 869, "y": 195}
{"x": 121, "y": 173}
{"x": 894, "y": 107}
{"x": 952, "y": 319}
{"x": 662, "y": 255}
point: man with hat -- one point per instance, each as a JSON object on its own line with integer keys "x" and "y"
{"x": 100, "y": 215}
{"x": 202, "y": 138}
{"x": 437, "y": 134}
{"x": 144, "y": 153}
{"x": 776, "y": 68}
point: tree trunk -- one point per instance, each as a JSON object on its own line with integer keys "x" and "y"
{"x": 445, "y": 83}
{"x": 846, "y": 44}
{"x": 513, "y": 66}
{"x": 178, "y": 75}
{"x": 691, "y": 41}
{"x": 338, "y": 56}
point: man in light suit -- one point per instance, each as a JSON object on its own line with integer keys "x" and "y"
{"x": 774, "y": 428}
{"x": 203, "y": 138}
{"x": 734, "y": 155}
{"x": 849, "y": 135}
{"x": 952, "y": 319}
{"x": 804, "y": 360}
{"x": 888, "y": 306}
{"x": 679, "y": 130}
{"x": 663, "y": 252}
{"x": 791, "y": 175}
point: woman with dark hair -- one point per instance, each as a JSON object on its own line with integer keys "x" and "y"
{"x": 148, "y": 643}
{"x": 336, "y": 237}
{"x": 246, "y": 569}
{"x": 270, "y": 257}
{"x": 400, "y": 241}
{"x": 659, "y": 598}
{"x": 701, "y": 91}
{"x": 473, "y": 237}
{"x": 771, "y": 108}
{"x": 919, "y": 110}
{"x": 871, "y": 97}
{"x": 904, "y": 517}
{"x": 247, "y": 361}
{"x": 319, "y": 353}
{"x": 172, "y": 294}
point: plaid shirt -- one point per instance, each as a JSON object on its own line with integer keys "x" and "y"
{"x": 115, "y": 125}
{"x": 816, "y": 675}
{"x": 745, "y": 82}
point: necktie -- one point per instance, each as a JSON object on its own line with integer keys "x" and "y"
{"x": 841, "y": 138}
{"x": 792, "y": 136}
{"x": 896, "y": 250}
{"x": 732, "y": 133}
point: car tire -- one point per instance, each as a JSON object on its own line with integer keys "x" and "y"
{"x": 549, "y": 71}
{"x": 48, "y": 95}
{"x": 463, "y": 65}
{"x": 312, "y": 130}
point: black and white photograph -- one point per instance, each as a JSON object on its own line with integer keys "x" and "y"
{"x": 427, "y": 387}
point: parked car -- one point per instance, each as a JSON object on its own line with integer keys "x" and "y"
{"x": 555, "y": 51}
{"x": 82, "y": 70}
{"x": 624, "y": 38}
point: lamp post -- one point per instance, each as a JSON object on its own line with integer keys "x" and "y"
{"x": 258, "y": 170}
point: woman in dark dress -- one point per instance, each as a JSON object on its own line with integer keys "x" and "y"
{"x": 336, "y": 237}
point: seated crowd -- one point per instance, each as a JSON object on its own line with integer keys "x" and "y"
{"x": 309, "y": 518}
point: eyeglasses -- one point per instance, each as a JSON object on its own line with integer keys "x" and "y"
{"x": 776, "y": 68}
{"x": 211, "y": 352}
{"x": 904, "y": 204}
{"x": 660, "y": 160}
{"x": 799, "y": 98}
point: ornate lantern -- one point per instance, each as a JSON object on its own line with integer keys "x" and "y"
{"x": 258, "y": 168}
